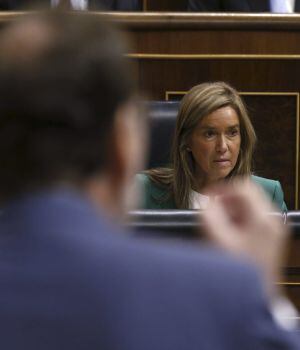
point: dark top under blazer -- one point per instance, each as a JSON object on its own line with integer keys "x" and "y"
{"x": 156, "y": 196}
{"x": 70, "y": 280}
{"x": 234, "y": 5}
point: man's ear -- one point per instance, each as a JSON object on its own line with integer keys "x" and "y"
{"x": 107, "y": 188}
{"x": 127, "y": 146}
{"x": 128, "y": 153}
{"x": 116, "y": 154}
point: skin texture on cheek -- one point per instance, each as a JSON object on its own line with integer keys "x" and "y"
{"x": 215, "y": 145}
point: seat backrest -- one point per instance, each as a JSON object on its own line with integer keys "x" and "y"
{"x": 162, "y": 119}
{"x": 186, "y": 224}
{"x": 293, "y": 220}
{"x": 166, "y": 223}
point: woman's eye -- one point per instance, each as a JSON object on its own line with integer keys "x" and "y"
{"x": 209, "y": 134}
{"x": 233, "y": 132}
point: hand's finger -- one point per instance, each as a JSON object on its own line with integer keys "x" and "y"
{"x": 243, "y": 197}
{"x": 218, "y": 226}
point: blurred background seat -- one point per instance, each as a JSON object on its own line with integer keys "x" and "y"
{"x": 162, "y": 118}
{"x": 186, "y": 224}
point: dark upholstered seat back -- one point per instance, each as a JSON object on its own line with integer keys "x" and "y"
{"x": 293, "y": 220}
{"x": 162, "y": 117}
{"x": 167, "y": 223}
{"x": 184, "y": 224}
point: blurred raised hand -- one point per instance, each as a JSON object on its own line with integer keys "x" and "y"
{"x": 238, "y": 221}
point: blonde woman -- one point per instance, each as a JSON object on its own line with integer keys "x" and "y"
{"x": 214, "y": 141}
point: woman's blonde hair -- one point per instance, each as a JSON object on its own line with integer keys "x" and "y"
{"x": 200, "y": 101}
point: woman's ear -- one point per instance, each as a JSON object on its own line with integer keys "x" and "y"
{"x": 187, "y": 146}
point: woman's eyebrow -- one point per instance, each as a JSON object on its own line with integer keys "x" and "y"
{"x": 207, "y": 127}
{"x": 210, "y": 127}
{"x": 234, "y": 126}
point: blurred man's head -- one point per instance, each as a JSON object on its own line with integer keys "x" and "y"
{"x": 67, "y": 113}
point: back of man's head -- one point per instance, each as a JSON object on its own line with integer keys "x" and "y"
{"x": 62, "y": 78}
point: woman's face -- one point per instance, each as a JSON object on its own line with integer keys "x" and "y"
{"x": 215, "y": 145}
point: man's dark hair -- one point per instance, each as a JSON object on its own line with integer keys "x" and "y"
{"x": 59, "y": 91}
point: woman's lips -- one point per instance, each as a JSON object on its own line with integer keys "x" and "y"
{"x": 222, "y": 162}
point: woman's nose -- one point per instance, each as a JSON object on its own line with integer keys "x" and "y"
{"x": 221, "y": 145}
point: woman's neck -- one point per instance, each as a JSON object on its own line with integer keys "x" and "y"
{"x": 202, "y": 186}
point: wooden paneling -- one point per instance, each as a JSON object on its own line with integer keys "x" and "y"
{"x": 158, "y": 76}
{"x": 275, "y": 121}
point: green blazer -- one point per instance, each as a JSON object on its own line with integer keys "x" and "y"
{"x": 156, "y": 196}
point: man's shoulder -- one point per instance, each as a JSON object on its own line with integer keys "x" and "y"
{"x": 65, "y": 222}
{"x": 90, "y": 268}
{"x": 195, "y": 288}
{"x": 197, "y": 264}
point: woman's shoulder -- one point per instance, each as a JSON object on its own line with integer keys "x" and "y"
{"x": 146, "y": 181}
{"x": 267, "y": 184}
{"x": 143, "y": 179}
{"x": 273, "y": 189}
{"x": 155, "y": 195}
